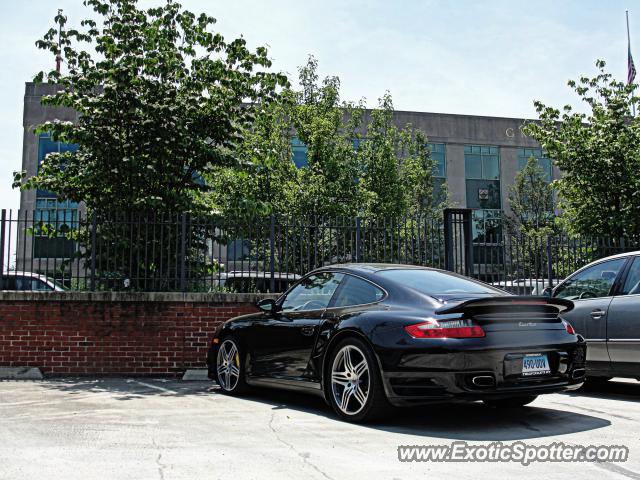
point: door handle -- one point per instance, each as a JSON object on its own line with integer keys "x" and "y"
{"x": 597, "y": 314}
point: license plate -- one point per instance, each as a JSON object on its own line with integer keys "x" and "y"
{"x": 535, "y": 364}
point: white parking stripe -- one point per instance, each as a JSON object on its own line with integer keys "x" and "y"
{"x": 155, "y": 387}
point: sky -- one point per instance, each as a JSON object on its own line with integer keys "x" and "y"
{"x": 489, "y": 57}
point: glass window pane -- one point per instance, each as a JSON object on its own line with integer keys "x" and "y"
{"x": 473, "y": 166}
{"x": 356, "y": 291}
{"x": 632, "y": 283}
{"x": 594, "y": 282}
{"x": 491, "y": 167}
{"x": 433, "y": 282}
{"x": 313, "y": 293}
{"x": 483, "y": 194}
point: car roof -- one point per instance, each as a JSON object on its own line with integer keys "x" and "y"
{"x": 612, "y": 257}
{"x": 373, "y": 267}
{"x": 259, "y": 274}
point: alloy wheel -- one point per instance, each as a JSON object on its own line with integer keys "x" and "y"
{"x": 228, "y": 365}
{"x": 350, "y": 380}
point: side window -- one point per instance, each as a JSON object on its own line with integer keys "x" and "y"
{"x": 23, "y": 284}
{"x": 593, "y": 282}
{"x": 632, "y": 283}
{"x": 40, "y": 285}
{"x": 356, "y": 291}
{"x": 313, "y": 293}
{"x": 8, "y": 282}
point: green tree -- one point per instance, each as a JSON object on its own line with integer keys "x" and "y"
{"x": 263, "y": 181}
{"x": 396, "y": 168}
{"x": 531, "y": 201}
{"x": 330, "y": 128}
{"x": 162, "y": 101}
{"x": 599, "y": 155}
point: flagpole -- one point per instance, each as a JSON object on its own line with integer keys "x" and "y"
{"x": 633, "y": 105}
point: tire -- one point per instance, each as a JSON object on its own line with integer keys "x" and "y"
{"x": 230, "y": 367}
{"x": 511, "y": 402}
{"x": 353, "y": 368}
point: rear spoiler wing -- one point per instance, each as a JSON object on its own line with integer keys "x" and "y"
{"x": 560, "y": 304}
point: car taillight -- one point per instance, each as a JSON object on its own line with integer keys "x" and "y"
{"x": 568, "y": 327}
{"x": 445, "y": 329}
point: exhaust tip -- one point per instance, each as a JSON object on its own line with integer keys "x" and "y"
{"x": 578, "y": 373}
{"x": 483, "y": 381}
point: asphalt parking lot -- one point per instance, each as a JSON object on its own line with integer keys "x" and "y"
{"x": 118, "y": 428}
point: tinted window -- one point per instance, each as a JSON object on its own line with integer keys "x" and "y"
{"x": 593, "y": 282}
{"x": 632, "y": 283}
{"x": 8, "y": 283}
{"x": 356, "y": 291}
{"x": 433, "y": 282}
{"x": 313, "y": 293}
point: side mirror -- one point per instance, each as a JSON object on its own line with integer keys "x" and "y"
{"x": 268, "y": 305}
{"x": 547, "y": 292}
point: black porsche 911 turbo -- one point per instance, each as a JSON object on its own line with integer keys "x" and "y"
{"x": 367, "y": 336}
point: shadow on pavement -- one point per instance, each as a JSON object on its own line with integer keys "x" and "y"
{"x": 470, "y": 422}
{"x": 612, "y": 390}
{"x": 128, "y": 388}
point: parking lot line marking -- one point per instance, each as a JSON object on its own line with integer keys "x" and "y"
{"x": 155, "y": 387}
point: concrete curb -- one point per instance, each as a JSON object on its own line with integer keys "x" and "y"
{"x": 20, "y": 373}
{"x": 196, "y": 374}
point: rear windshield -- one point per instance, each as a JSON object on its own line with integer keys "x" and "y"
{"x": 433, "y": 282}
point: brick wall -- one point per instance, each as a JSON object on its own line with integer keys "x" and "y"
{"x": 111, "y": 333}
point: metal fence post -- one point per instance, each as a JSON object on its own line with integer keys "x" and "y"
{"x": 467, "y": 231}
{"x": 272, "y": 253}
{"x": 94, "y": 226}
{"x": 448, "y": 240}
{"x": 183, "y": 240}
{"x": 3, "y": 220}
{"x": 549, "y": 263}
{"x": 358, "y": 240}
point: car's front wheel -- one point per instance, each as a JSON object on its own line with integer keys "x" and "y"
{"x": 511, "y": 402}
{"x": 230, "y": 367}
{"x": 354, "y": 386}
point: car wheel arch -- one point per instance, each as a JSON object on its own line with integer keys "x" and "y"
{"x": 335, "y": 340}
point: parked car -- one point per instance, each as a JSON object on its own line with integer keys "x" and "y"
{"x": 256, "y": 281}
{"x": 525, "y": 286}
{"x": 606, "y": 294}
{"x": 364, "y": 336}
{"x": 29, "y": 281}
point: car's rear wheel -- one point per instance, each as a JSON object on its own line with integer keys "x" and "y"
{"x": 230, "y": 367}
{"x": 355, "y": 388}
{"x": 511, "y": 402}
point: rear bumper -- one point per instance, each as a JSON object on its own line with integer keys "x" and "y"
{"x": 477, "y": 375}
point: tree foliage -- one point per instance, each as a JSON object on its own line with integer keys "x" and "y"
{"x": 599, "y": 155}
{"x": 360, "y": 163}
{"x": 531, "y": 201}
{"x": 162, "y": 100}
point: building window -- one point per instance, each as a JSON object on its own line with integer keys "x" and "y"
{"x": 46, "y": 146}
{"x": 544, "y": 162}
{"x": 53, "y": 221}
{"x": 481, "y": 162}
{"x": 438, "y": 155}
{"x": 439, "y": 169}
{"x": 482, "y": 172}
{"x": 300, "y": 151}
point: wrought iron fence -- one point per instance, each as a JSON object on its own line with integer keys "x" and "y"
{"x": 65, "y": 249}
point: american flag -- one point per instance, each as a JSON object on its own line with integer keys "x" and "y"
{"x": 631, "y": 68}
